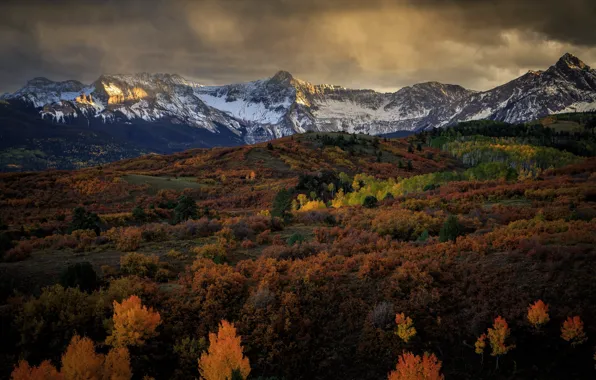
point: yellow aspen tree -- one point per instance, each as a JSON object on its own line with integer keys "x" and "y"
{"x": 538, "y": 314}
{"x": 302, "y": 200}
{"x": 117, "y": 365}
{"x": 405, "y": 327}
{"x": 498, "y": 335}
{"x": 480, "y": 345}
{"x": 573, "y": 331}
{"x": 414, "y": 367}
{"x": 80, "y": 361}
{"x": 133, "y": 323}
{"x": 225, "y": 355}
{"x": 45, "y": 371}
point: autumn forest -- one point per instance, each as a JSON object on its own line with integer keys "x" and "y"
{"x": 460, "y": 253}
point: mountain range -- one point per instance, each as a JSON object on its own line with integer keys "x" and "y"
{"x": 162, "y": 113}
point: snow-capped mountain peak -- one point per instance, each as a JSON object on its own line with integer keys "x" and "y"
{"x": 282, "y": 104}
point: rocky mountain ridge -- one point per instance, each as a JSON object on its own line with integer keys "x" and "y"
{"x": 283, "y": 105}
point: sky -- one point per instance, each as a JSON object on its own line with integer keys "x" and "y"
{"x": 378, "y": 44}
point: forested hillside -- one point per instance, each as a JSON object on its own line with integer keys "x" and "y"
{"x": 464, "y": 253}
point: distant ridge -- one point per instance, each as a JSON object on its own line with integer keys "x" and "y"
{"x": 283, "y": 105}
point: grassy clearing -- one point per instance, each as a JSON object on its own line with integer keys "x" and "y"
{"x": 566, "y": 126}
{"x": 159, "y": 183}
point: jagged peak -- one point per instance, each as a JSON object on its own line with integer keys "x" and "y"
{"x": 569, "y": 60}
{"x": 283, "y": 76}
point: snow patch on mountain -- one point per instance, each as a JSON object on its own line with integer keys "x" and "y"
{"x": 283, "y": 105}
{"x": 243, "y": 110}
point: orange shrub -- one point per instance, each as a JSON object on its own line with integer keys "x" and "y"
{"x": 129, "y": 239}
{"x": 264, "y": 237}
{"x": 226, "y": 238}
{"x": 84, "y": 238}
{"x": 248, "y": 244}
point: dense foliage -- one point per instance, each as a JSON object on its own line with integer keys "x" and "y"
{"x": 277, "y": 264}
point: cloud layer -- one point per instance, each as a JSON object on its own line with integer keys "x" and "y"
{"x": 381, "y": 44}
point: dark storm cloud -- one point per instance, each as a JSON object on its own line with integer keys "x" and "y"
{"x": 381, "y": 44}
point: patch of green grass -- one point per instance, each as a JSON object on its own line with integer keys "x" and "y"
{"x": 566, "y": 126}
{"x": 159, "y": 183}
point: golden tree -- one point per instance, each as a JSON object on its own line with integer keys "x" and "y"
{"x": 538, "y": 314}
{"x": 302, "y": 200}
{"x": 497, "y": 335}
{"x": 414, "y": 367}
{"x": 80, "y": 362}
{"x": 117, "y": 365}
{"x": 573, "y": 331}
{"x": 405, "y": 327}
{"x": 45, "y": 371}
{"x": 224, "y": 356}
{"x": 480, "y": 345}
{"x": 133, "y": 323}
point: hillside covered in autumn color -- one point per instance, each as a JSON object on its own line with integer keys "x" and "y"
{"x": 461, "y": 253}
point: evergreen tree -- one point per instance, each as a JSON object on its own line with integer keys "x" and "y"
{"x": 84, "y": 220}
{"x": 451, "y": 229}
{"x": 138, "y": 214}
{"x": 186, "y": 209}
{"x": 81, "y": 275}
{"x": 282, "y": 204}
{"x": 370, "y": 201}
{"x": 423, "y": 236}
{"x": 410, "y": 166}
